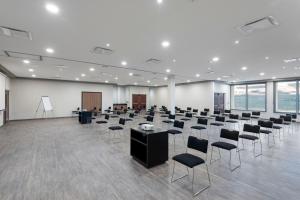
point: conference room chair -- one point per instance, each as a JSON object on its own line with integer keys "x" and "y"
{"x": 219, "y": 122}
{"x": 294, "y": 120}
{"x": 224, "y": 144}
{"x": 195, "y": 111}
{"x": 191, "y": 161}
{"x": 167, "y": 113}
{"x": 148, "y": 120}
{"x": 170, "y": 119}
{"x": 246, "y": 117}
{"x": 277, "y": 125}
{"x": 216, "y": 113}
{"x": 206, "y": 110}
{"x": 255, "y": 115}
{"x": 233, "y": 120}
{"x": 202, "y": 115}
{"x": 188, "y": 116}
{"x": 104, "y": 121}
{"x": 117, "y": 128}
{"x": 252, "y": 133}
{"x": 287, "y": 121}
{"x": 266, "y": 127}
{"x": 180, "y": 113}
{"x": 188, "y": 109}
{"x": 177, "y": 130}
{"x": 202, "y": 124}
{"x": 131, "y": 116}
{"x": 227, "y": 112}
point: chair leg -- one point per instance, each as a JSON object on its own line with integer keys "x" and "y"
{"x": 172, "y": 178}
{"x": 204, "y": 188}
{"x": 238, "y": 166}
{"x": 211, "y": 155}
{"x": 254, "y": 152}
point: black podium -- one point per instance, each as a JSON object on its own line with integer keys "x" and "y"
{"x": 149, "y": 148}
{"x": 85, "y": 117}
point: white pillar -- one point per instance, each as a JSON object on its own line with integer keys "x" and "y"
{"x": 171, "y": 89}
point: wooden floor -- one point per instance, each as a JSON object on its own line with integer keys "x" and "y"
{"x": 61, "y": 159}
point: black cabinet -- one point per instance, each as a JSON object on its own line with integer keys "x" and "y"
{"x": 85, "y": 117}
{"x": 149, "y": 148}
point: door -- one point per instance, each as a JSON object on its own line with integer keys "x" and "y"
{"x": 139, "y": 101}
{"x": 91, "y": 100}
{"x": 219, "y": 101}
{"x": 6, "y": 111}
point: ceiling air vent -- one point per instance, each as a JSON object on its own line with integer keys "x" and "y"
{"x": 12, "y": 32}
{"x": 259, "y": 24}
{"x": 153, "y": 61}
{"x": 103, "y": 51}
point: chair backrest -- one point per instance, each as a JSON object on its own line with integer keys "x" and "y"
{"x": 131, "y": 115}
{"x": 265, "y": 124}
{"x": 202, "y": 121}
{"x": 152, "y": 113}
{"x": 122, "y": 121}
{"x": 232, "y": 116}
{"x": 168, "y": 112}
{"x": 251, "y": 128}
{"x": 107, "y": 117}
{"x": 181, "y": 111}
{"x": 195, "y": 110}
{"x": 227, "y": 111}
{"x": 217, "y": 112}
{"x": 203, "y": 113}
{"x": 171, "y": 116}
{"x": 256, "y": 113}
{"x": 197, "y": 144}
{"x": 150, "y": 119}
{"x": 220, "y": 119}
{"x": 294, "y": 116}
{"x": 178, "y": 124}
{"x": 247, "y": 115}
{"x": 276, "y": 120}
{"x": 190, "y": 115}
{"x": 206, "y": 109}
{"x": 188, "y": 108}
{"x": 230, "y": 134}
{"x": 286, "y": 118}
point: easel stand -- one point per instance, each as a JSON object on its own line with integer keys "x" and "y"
{"x": 46, "y": 106}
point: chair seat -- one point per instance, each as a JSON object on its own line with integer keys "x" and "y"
{"x": 174, "y": 131}
{"x": 265, "y": 131}
{"x": 198, "y": 127}
{"x": 216, "y": 124}
{"x": 248, "y": 137}
{"x": 188, "y": 160}
{"x": 255, "y": 117}
{"x": 287, "y": 123}
{"x": 167, "y": 121}
{"x": 128, "y": 119}
{"x": 245, "y": 118}
{"x": 224, "y": 145}
{"x": 114, "y": 128}
{"x": 164, "y": 115}
{"x": 101, "y": 122}
{"x": 114, "y": 116}
{"x": 277, "y": 127}
{"x": 185, "y": 119}
{"x": 232, "y": 121}
{"x": 293, "y": 120}
{"x": 179, "y": 114}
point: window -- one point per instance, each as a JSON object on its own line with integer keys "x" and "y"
{"x": 257, "y": 97}
{"x": 239, "y": 97}
{"x": 286, "y": 96}
{"x": 249, "y": 97}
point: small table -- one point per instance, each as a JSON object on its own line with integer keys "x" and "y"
{"x": 149, "y": 148}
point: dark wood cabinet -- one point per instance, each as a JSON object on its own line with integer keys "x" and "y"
{"x": 149, "y": 148}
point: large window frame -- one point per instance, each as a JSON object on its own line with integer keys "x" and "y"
{"x": 247, "y": 97}
{"x": 297, "y": 106}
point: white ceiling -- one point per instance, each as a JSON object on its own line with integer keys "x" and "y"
{"x": 197, "y": 30}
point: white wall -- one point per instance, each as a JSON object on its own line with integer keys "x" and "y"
{"x": 25, "y": 95}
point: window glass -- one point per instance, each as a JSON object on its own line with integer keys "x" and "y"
{"x": 239, "y": 97}
{"x": 257, "y": 97}
{"x": 286, "y": 96}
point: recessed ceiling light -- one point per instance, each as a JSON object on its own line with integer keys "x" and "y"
{"x": 83, "y": 75}
{"x": 273, "y": 77}
{"x": 33, "y": 75}
{"x": 197, "y": 75}
{"x": 174, "y": 60}
{"x": 135, "y": 83}
{"x": 31, "y": 70}
{"x": 155, "y": 85}
{"x": 244, "y": 68}
{"x": 261, "y": 73}
{"x": 168, "y": 70}
{"x": 50, "y": 50}
{"x": 148, "y": 81}
{"x": 159, "y": 1}
{"x": 215, "y": 59}
{"x": 106, "y": 81}
{"x": 267, "y": 58}
{"x": 52, "y": 8}
{"x": 165, "y": 78}
{"x": 26, "y": 61}
{"x": 108, "y": 45}
{"x": 130, "y": 74}
{"x": 77, "y": 79}
{"x": 236, "y": 42}
{"x": 124, "y": 63}
{"x": 165, "y": 44}
{"x": 92, "y": 69}
{"x": 218, "y": 78}
{"x": 188, "y": 81}
{"x": 116, "y": 78}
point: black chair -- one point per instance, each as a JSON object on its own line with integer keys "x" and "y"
{"x": 191, "y": 161}
{"x": 202, "y": 115}
{"x": 202, "y": 125}
{"x": 266, "y": 127}
{"x": 195, "y": 111}
{"x": 206, "y": 110}
{"x": 131, "y": 116}
{"x": 188, "y": 116}
{"x": 167, "y": 113}
{"x": 250, "y": 130}
{"x": 219, "y": 121}
{"x": 287, "y": 121}
{"x": 255, "y": 115}
{"x": 233, "y": 119}
{"x": 227, "y": 112}
{"x": 228, "y": 135}
{"x": 117, "y": 128}
{"x": 170, "y": 120}
{"x": 148, "y": 119}
{"x": 180, "y": 113}
{"x": 277, "y": 125}
{"x": 216, "y": 113}
{"x": 188, "y": 109}
{"x": 246, "y": 117}
{"x": 178, "y": 128}
{"x": 104, "y": 121}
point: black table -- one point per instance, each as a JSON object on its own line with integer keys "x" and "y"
{"x": 85, "y": 117}
{"x": 149, "y": 148}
